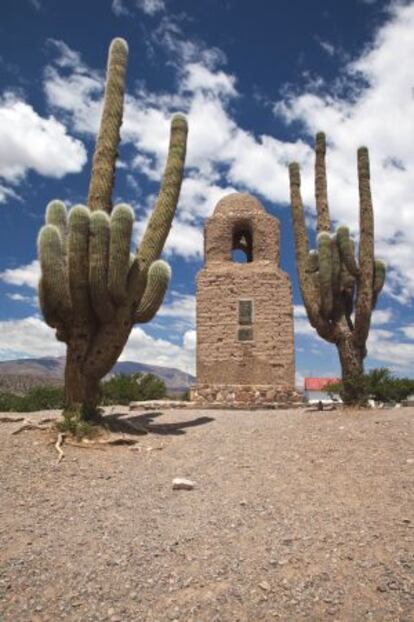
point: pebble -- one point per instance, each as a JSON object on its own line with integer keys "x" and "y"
{"x": 264, "y": 586}
{"x": 180, "y": 483}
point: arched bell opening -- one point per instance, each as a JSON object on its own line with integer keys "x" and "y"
{"x": 242, "y": 243}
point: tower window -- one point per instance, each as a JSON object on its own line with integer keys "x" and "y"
{"x": 245, "y": 334}
{"x": 245, "y": 331}
{"x": 242, "y": 243}
{"x": 245, "y": 312}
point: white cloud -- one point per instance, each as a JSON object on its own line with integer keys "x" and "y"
{"x": 31, "y": 142}
{"x": 122, "y": 8}
{"x": 301, "y": 322}
{"x": 408, "y": 331}
{"x": 180, "y": 50}
{"x": 328, "y": 47}
{"x": 27, "y": 275}
{"x": 119, "y": 8}
{"x": 198, "y": 77}
{"x": 381, "y": 317}
{"x": 189, "y": 340}
{"x": 8, "y": 193}
{"x": 29, "y": 337}
{"x": 389, "y": 348}
{"x": 185, "y": 240}
{"x": 181, "y": 306}
{"x": 32, "y": 300}
{"x": 150, "y": 7}
{"x": 146, "y": 349}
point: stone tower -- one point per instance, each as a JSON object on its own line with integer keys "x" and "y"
{"x": 245, "y": 349}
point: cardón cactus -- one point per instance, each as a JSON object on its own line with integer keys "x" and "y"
{"x": 92, "y": 289}
{"x": 339, "y": 291}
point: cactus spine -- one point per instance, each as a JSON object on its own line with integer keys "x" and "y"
{"x": 339, "y": 291}
{"x": 92, "y": 289}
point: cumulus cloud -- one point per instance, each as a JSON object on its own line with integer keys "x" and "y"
{"x": 146, "y": 349}
{"x": 394, "y": 350}
{"x": 16, "y": 297}
{"x": 27, "y": 275}
{"x": 182, "y": 306}
{"x": 150, "y": 7}
{"x": 31, "y": 142}
{"x": 8, "y": 193}
{"x": 119, "y": 8}
{"x": 381, "y": 317}
{"x": 28, "y": 337}
{"x": 123, "y": 8}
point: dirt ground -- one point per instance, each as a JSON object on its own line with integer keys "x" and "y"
{"x": 294, "y": 516}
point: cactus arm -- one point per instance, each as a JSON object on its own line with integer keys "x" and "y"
{"x": 325, "y": 273}
{"x": 364, "y": 300}
{"x": 51, "y": 318}
{"x": 54, "y": 294}
{"x": 159, "y": 275}
{"x": 122, "y": 221}
{"x": 347, "y": 250}
{"x": 321, "y": 191}
{"x": 98, "y": 266}
{"x": 57, "y": 215}
{"x": 78, "y": 255}
{"x": 379, "y": 278}
{"x": 338, "y": 309}
{"x": 106, "y": 150}
{"x": 310, "y": 293}
{"x": 161, "y": 218}
{"x": 336, "y": 267}
{"x": 313, "y": 261}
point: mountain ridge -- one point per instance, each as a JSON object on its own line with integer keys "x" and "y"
{"x": 51, "y": 369}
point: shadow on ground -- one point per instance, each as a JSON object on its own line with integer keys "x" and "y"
{"x": 143, "y": 424}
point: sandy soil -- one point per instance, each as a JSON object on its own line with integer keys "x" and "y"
{"x": 295, "y": 516}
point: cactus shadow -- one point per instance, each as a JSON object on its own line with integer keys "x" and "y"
{"x": 144, "y": 423}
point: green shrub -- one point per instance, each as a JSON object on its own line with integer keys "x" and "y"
{"x": 10, "y": 402}
{"x": 378, "y": 384}
{"x": 125, "y": 388}
{"x": 353, "y": 390}
{"x": 38, "y": 398}
{"x": 120, "y": 389}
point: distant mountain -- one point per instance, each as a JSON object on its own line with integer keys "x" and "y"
{"x": 28, "y": 372}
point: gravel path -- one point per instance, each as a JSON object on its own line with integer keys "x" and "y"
{"x": 294, "y": 516}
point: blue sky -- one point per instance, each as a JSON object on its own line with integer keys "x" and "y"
{"x": 256, "y": 86}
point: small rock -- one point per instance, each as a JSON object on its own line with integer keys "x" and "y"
{"x": 264, "y": 586}
{"x": 243, "y": 502}
{"x": 180, "y": 483}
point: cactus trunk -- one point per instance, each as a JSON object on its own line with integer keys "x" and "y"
{"x": 81, "y": 391}
{"x": 351, "y": 358}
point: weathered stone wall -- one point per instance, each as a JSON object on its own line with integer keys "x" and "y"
{"x": 231, "y": 354}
